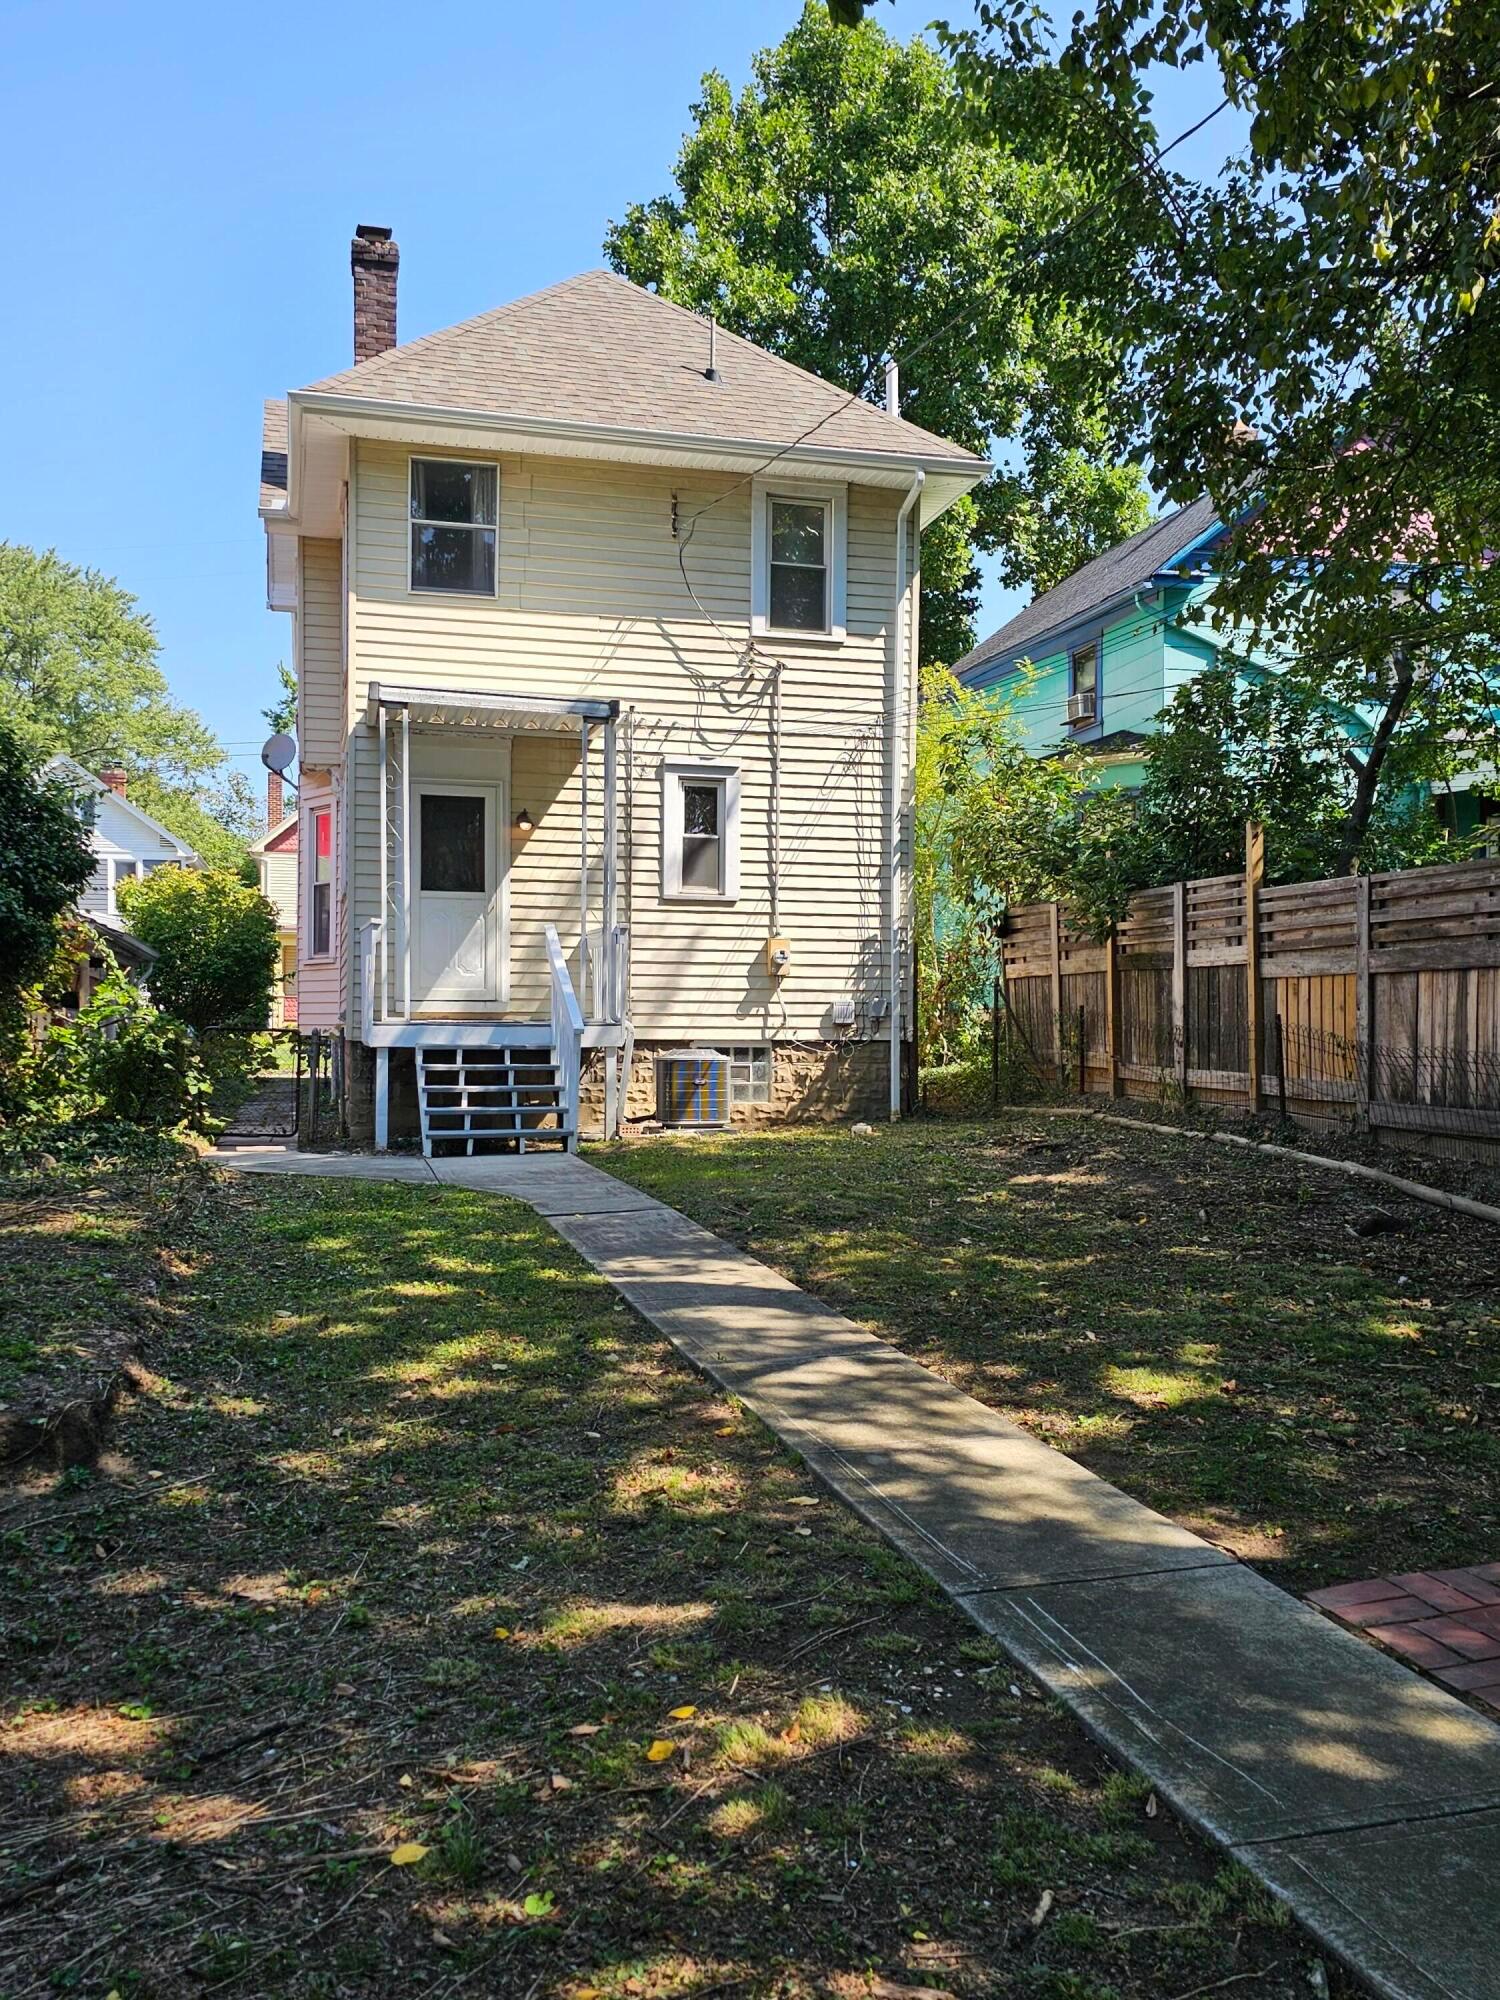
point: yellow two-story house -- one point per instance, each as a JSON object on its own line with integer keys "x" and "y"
{"x": 605, "y": 636}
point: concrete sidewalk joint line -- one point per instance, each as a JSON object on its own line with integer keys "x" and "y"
{"x": 1363, "y": 1795}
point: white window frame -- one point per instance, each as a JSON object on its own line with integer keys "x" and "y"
{"x": 309, "y": 836}
{"x": 834, "y": 498}
{"x": 413, "y": 521}
{"x": 122, "y": 868}
{"x": 675, "y": 773}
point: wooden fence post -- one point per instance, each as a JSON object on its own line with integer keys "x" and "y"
{"x": 1112, "y": 1012}
{"x": 1255, "y": 872}
{"x": 1179, "y": 982}
{"x": 1057, "y": 1027}
{"x": 1364, "y": 1011}
{"x": 995, "y": 1047}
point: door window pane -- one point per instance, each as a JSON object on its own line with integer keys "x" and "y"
{"x": 453, "y": 858}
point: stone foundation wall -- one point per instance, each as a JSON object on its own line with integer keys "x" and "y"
{"x": 809, "y": 1080}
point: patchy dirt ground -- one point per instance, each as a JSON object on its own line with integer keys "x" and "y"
{"x": 428, "y": 1629}
{"x": 1212, "y": 1330}
{"x": 78, "y": 1290}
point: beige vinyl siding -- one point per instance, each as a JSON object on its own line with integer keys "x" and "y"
{"x": 278, "y": 884}
{"x": 591, "y": 602}
{"x": 320, "y": 644}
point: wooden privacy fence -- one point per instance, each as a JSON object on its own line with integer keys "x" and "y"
{"x": 1370, "y": 999}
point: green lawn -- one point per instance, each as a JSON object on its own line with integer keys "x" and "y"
{"x": 1200, "y": 1325}
{"x": 341, "y": 1675}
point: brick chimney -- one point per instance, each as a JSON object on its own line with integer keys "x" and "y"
{"x": 375, "y": 261}
{"x": 115, "y": 778}
{"x": 275, "y": 810}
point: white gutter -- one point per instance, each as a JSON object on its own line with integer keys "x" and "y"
{"x": 897, "y": 776}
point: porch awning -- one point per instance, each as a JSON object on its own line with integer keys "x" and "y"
{"x": 464, "y": 709}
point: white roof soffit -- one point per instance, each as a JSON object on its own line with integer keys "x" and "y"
{"x": 457, "y": 707}
{"x": 315, "y": 420}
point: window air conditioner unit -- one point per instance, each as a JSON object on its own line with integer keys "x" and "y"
{"x": 1081, "y": 707}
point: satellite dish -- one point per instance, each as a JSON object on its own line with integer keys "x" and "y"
{"x": 278, "y": 752}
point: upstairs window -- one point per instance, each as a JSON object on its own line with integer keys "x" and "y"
{"x": 320, "y": 894}
{"x": 453, "y": 526}
{"x": 799, "y": 565}
{"x": 1083, "y": 708}
{"x": 798, "y": 545}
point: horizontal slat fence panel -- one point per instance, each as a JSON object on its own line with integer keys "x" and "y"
{"x": 1378, "y": 998}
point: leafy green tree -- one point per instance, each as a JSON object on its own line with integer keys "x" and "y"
{"x": 994, "y": 825}
{"x": 836, "y": 212}
{"x": 218, "y": 818}
{"x": 1231, "y": 750}
{"x": 1314, "y": 333}
{"x": 45, "y": 861}
{"x": 216, "y": 942}
{"x": 79, "y": 671}
{"x": 282, "y": 714}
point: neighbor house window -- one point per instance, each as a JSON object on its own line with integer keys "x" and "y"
{"x": 122, "y": 871}
{"x": 1084, "y": 685}
{"x": 797, "y": 545}
{"x": 320, "y": 900}
{"x": 700, "y": 831}
{"x": 750, "y": 1073}
{"x": 453, "y": 526}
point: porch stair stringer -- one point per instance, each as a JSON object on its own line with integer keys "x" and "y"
{"x": 497, "y": 1092}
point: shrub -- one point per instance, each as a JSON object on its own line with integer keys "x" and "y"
{"x": 216, "y": 942}
{"x": 122, "y": 1062}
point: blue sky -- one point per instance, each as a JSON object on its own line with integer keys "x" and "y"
{"x": 182, "y": 250}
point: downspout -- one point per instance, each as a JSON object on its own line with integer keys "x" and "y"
{"x": 897, "y": 779}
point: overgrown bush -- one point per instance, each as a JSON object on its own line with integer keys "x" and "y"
{"x": 966, "y": 1089}
{"x": 121, "y": 1062}
{"x": 217, "y": 945}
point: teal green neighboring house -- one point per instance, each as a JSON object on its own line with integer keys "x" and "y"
{"x": 1108, "y": 646}
{"x": 1111, "y": 645}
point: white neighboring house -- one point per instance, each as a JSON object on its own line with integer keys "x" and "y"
{"x": 605, "y": 629}
{"x": 126, "y": 840}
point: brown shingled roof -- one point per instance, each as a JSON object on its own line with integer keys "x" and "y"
{"x": 599, "y": 350}
{"x": 273, "y": 453}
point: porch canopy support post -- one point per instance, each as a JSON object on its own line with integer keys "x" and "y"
{"x": 385, "y": 870}
{"x": 613, "y": 1007}
{"x": 406, "y": 864}
{"x": 585, "y": 740}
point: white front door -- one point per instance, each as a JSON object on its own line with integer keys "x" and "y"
{"x": 457, "y": 890}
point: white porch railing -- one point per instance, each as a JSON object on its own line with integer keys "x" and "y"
{"x": 567, "y": 1037}
{"x": 369, "y": 975}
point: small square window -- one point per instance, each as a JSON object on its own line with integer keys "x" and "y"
{"x": 750, "y": 1073}
{"x": 453, "y": 526}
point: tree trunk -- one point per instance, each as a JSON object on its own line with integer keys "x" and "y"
{"x": 1367, "y": 785}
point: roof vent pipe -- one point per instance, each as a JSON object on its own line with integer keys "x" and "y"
{"x": 892, "y": 389}
{"x": 711, "y": 372}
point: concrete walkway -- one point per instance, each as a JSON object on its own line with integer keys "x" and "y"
{"x": 1364, "y": 1795}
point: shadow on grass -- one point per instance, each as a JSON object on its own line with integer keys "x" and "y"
{"x": 419, "y": 1538}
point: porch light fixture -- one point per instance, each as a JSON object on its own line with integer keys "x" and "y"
{"x": 524, "y": 822}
